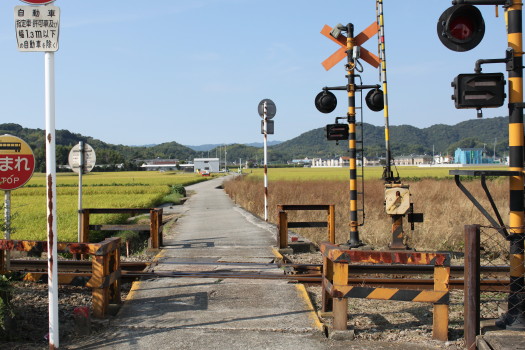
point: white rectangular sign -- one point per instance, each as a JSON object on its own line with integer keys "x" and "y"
{"x": 37, "y": 28}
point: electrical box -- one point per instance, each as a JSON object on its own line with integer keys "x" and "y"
{"x": 397, "y": 200}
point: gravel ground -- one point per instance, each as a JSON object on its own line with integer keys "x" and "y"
{"x": 30, "y": 305}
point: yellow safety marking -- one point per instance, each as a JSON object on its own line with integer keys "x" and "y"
{"x": 429, "y": 296}
{"x": 515, "y": 89}
{"x": 516, "y": 134}
{"x": 382, "y": 293}
{"x": 312, "y": 315}
{"x": 516, "y": 265}
{"x": 134, "y": 287}
{"x": 515, "y": 221}
{"x": 277, "y": 255}
{"x": 516, "y": 183}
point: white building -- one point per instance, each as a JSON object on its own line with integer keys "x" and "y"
{"x": 160, "y": 164}
{"x": 206, "y": 164}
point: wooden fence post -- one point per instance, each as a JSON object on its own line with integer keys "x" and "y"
{"x": 283, "y": 229}
{"x": 154, "y": 228}
{"x": 84, "y": 226}
{"x": 472, "y": 286}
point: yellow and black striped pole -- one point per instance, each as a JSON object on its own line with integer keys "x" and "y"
{"x": 387, "y": 174}
{"x": 354, "y": 241}
{"x": 513, "y": 16}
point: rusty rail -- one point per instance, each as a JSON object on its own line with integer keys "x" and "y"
{"x": 336, "y": 289}
{"x": 155, "y": 227}
{"x": 283, "y": 225}
{"x": 105, "y": 266}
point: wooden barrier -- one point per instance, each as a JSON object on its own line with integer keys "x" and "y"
{"x": 106, "y": 270}
{"x": 155, "y": 227}
{"x": 283, "y": 225}
{"x": 336, "y": 290}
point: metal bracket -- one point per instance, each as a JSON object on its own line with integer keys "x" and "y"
{"x": 497, "y": 224}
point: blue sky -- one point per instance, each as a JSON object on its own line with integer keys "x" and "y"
{"x": 146, "y": 72}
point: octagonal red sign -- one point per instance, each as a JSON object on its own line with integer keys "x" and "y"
{"x": 38, "y": 2}
{"x": 17, "y": 162}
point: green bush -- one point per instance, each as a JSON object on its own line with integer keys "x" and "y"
{"x": 178, "y": 188}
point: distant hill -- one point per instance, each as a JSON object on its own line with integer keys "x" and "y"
{"x": 404, "y": 139}
{"x": 209, "y": 147}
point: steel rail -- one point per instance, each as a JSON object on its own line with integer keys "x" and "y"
{"x": 23, "y": 265}
{"x": 488, "y": 285}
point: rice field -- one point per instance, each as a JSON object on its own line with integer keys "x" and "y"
{"x": 375, "y": 172}
{"x": 100, "y": 190}
{"x": 434, "y": 193}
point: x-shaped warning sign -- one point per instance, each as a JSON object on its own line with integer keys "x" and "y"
{"x": 360, "y": 39}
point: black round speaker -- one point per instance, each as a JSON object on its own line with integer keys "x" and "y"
{"x": 374, "y": 100}
{"x": 325, "y": 102}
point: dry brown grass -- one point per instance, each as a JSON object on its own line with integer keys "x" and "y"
{"x": 445, "y": 207}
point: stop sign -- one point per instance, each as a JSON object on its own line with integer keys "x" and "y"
{"x": 38, "y": 2}
{"x": 17, "y": 162}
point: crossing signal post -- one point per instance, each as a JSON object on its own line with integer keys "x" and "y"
{"x": 461, "y": 28}
{"x": 326, "y": 102}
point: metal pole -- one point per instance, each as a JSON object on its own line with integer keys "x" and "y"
{"x": 388, "y": 175}
{"x": 7, "y": 224}
{"x": 80, "y": 171}
{"x": 514, "y": 317}
{"x": 51, "y": 199}
{"x": 354, "y": 241}
{"x": 265, "y": 131}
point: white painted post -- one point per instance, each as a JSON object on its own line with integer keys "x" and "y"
{"x": 265, "y": 130}
{"x": 80, "y": 172}
{"x": 51, "y": 199}
{"x": 7, "y": 224}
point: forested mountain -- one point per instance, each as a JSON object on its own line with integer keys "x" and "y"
{"x": 404, "y": 139}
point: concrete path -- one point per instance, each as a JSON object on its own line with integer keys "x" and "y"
{"x": 217, "y": 313}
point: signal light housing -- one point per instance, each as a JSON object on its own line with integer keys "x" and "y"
{"x": 481, "y": 90}
{"x": 374, "y": 100}
{"x": 461, "y": 27}
{"x": 337, "y": 132}
{"x": 325, "y": 102}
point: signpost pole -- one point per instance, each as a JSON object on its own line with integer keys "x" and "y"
{"x": 7, "y": 224}
{"x": 51, "y": 198}
{"x": 80, "y": 171}
{"x": 265, "y": 130}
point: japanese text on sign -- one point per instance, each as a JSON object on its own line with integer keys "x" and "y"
{"x": 37, "y": 28}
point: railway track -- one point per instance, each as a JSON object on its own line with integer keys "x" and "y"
{"x": 365, "y": 275}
